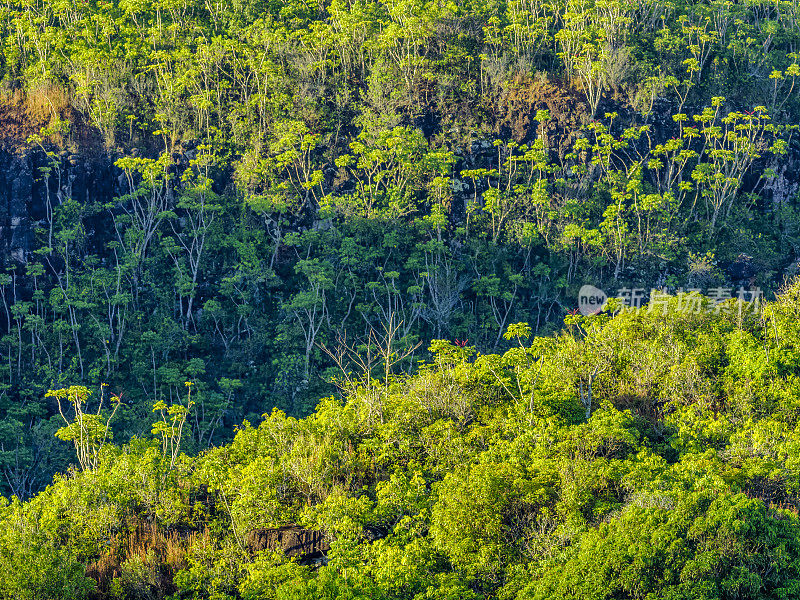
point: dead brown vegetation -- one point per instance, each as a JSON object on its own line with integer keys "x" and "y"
{"x": 144, "y": 559}
{"x": 524, "y": 96}
{"x": 26, "y": 113}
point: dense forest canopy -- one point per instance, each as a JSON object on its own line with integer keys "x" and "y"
{"x": 214, "y": 214}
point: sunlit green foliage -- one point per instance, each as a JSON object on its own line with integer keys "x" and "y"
{"x": 305, "y": 194}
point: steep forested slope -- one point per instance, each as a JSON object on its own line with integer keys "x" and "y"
{"x": 213, "y": 192}
{"x": 648, "y": 455}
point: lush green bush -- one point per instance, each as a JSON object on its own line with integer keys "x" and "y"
{"x": 680, "y": 483}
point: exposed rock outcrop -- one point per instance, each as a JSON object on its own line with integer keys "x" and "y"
{"x": 28, "y": 197}
{"x": 294, "y": 541}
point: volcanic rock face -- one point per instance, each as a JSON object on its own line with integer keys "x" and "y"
{"x": 16, "y": 203}
{"x": 33, "y": 185}
{"x": 292, "y": 540}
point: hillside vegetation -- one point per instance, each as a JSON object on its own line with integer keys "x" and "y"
{"x": 213, "y": 214}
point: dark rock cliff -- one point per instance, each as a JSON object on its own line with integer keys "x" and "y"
{"x": 292, "y": 540}
{"x": 32, "y": 184}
